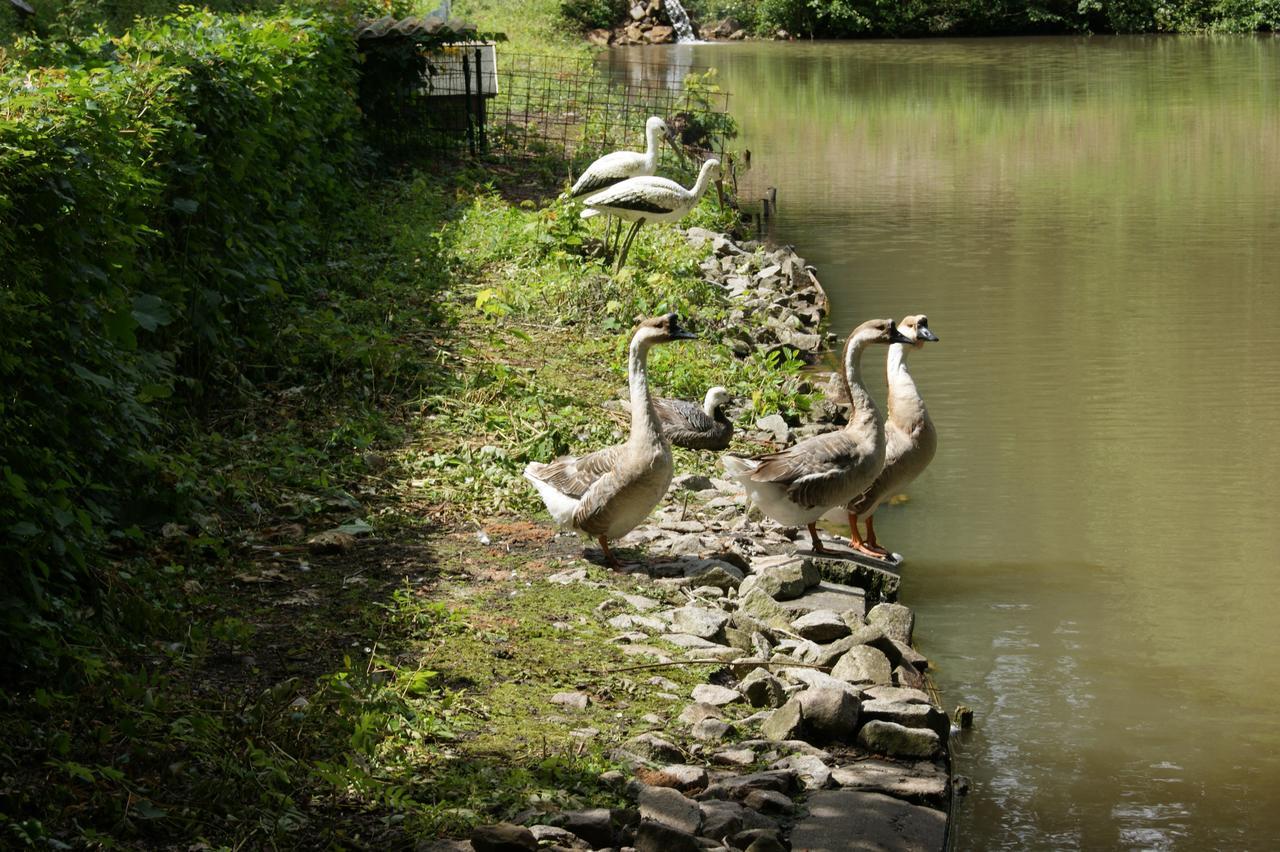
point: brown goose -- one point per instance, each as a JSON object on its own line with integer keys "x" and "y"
{"x": 910, "y": 439}
{"x": 694, "y": 427}
{"x": 607, "y": 493}
{"x": 797, "y": 485}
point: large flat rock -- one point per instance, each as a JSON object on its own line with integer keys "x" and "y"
{"x": 841, "y": 565}
{"x": 826, "y": 595}
{"x": 849, "y": 820}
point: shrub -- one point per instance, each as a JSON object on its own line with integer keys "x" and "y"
{"x": 157, "y": 195}
{"x": 592, "y": 14}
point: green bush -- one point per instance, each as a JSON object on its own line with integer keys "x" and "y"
{"x": 591, "y": 14}
{"x": 157, "y": 195}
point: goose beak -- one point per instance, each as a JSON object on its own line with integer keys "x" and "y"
{"x": 923, "y": 332}
{"x": 896, "y": 336}
{"x": 681, "y": 334}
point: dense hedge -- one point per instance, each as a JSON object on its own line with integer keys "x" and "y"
{"x": 911, "y": 18}
{"x": 157, "y": 192}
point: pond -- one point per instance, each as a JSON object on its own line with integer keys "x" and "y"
{"x": 1093, "y": 227}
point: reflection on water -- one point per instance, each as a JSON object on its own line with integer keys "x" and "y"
{"x": 1093, "y": 227}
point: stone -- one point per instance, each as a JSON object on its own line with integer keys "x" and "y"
{"x": 812, "y": 771}
{"x": 711, "y": 730}
{"x": 759, "y": 605}
{"x": 636, "y": 622}
{"x": 656, "y": 837}
{"x": 863, "y": 664}
{"x": 708, "y": 693}
{"x": 897, "y": 740}
{"x": 671, "y": 808}
{"x": 917, "y": 781}
{"x": 503, "y": 837}
{"x": 696, "y": 712}
{"x": 911, "y": 715}
{"x": 655, "y": 748}
{"x": 691, "y": 482}
{"x": 769, "y": 802}
{"x": 554, "y": 835}
{"x": 594, "y": 825}
{"x": 599, "y": 37}
{"x": 641, "y": 603}
{"x": 661, "y": 34}
{"x": 827, "y": 595}
{"x": 721, "y": 819}
{"x": 828, "y": 654}
{"x": 821, "y": 626}
{"x": 767, "y": 842}
{"x": 896, "y": 620}
{"x": 699, "y": 621}
{"x": 762, "y": 689}
{"x": 569, "y": 577}
{"x": 714, "y": 573}
{"x": 680, "y": 776}
{"x": 904, "y": 654}
{"x": 878, "y": 821}
{"x": 898, "y": 695}
{"x": 687, "y": 640}
{"x": 829, "y": 713}
{"x": 813, "y": 678}
{"x": 879, "y": 585}
{"x": 734, "y": 757}
{"x": 785, "y": 577}
{"x": 333, "y": 541}
{"x": 909, "y": 677}
{"x": 720, "y": 653}
{"x": 573, "y": 700}
{"x": 776, "y": 426}
{"x": 736, "y": 787}
{"x": 785, "y": 723}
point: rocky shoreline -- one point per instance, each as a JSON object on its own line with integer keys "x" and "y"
{"x": 647, "y": 22}
{"x": 814, "y": 728}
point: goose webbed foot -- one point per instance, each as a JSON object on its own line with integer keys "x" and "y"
{"x": 868, "y": 547}
{"x": 817, "y": 542}
{"x": 608, "y": 554}
{"x": 871, "y": 545}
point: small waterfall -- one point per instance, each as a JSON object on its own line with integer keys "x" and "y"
{"x": 680, "y": 20}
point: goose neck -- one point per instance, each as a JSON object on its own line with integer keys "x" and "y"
{"x": 860, "y": 401}
{"x": 644, "y": 420}
{"x": 904, "y": 396}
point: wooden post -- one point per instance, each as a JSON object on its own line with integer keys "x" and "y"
{"x": 466, "y": 87}
{"x": 480, "y": 106}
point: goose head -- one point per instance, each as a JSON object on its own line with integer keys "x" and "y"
{"x": 661, "y": 329}
{"x": 716, "y": 397}
{"x": 916, "y": 329}
{"x": 876, "y": 331}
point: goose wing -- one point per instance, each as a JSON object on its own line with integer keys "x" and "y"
{"x": 687, "y": 425}
{"x": 816, "y": 471}
{"x": 574, "y": 475}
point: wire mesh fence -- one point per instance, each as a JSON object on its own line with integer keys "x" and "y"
{"x": 547, "y": 106}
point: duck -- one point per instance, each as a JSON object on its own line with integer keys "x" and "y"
{"x": 607, "y": 493}
{"x": 910, "y": 437}
{"x": 649, "y": 199}
{"x": 796, "y": 486}
{"x": 694, "y": 427}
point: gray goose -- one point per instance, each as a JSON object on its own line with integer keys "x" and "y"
{"x": 910, "y": 438}
{"x": 607, "y": 493}
{"x": 696, "y": 427}
{"x": 796, "y": 486}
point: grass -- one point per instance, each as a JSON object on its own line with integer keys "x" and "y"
{"x": 258, "y": 694}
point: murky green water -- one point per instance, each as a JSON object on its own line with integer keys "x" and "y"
{"x": 1093, "y": 227}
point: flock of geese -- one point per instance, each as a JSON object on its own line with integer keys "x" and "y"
{"x": 848, "y": 472}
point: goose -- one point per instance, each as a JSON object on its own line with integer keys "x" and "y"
{"x": 607, "y": 493}
{"x": 797, "y": 485}
{"x": 649, "y": 199}
{"x": 694, "y": 427}
{"x": 910, "y": 438}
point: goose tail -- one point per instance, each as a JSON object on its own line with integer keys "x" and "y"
{"x": 560, "y": 505}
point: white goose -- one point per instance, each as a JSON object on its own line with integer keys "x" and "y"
{"x": 607, "y": 493}
{"x": 796, "y": 486}
{"x": 910, "y": 438}
{"x": 649, "y": 199}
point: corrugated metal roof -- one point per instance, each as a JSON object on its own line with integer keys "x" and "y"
{"x": 431, "y": 29}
